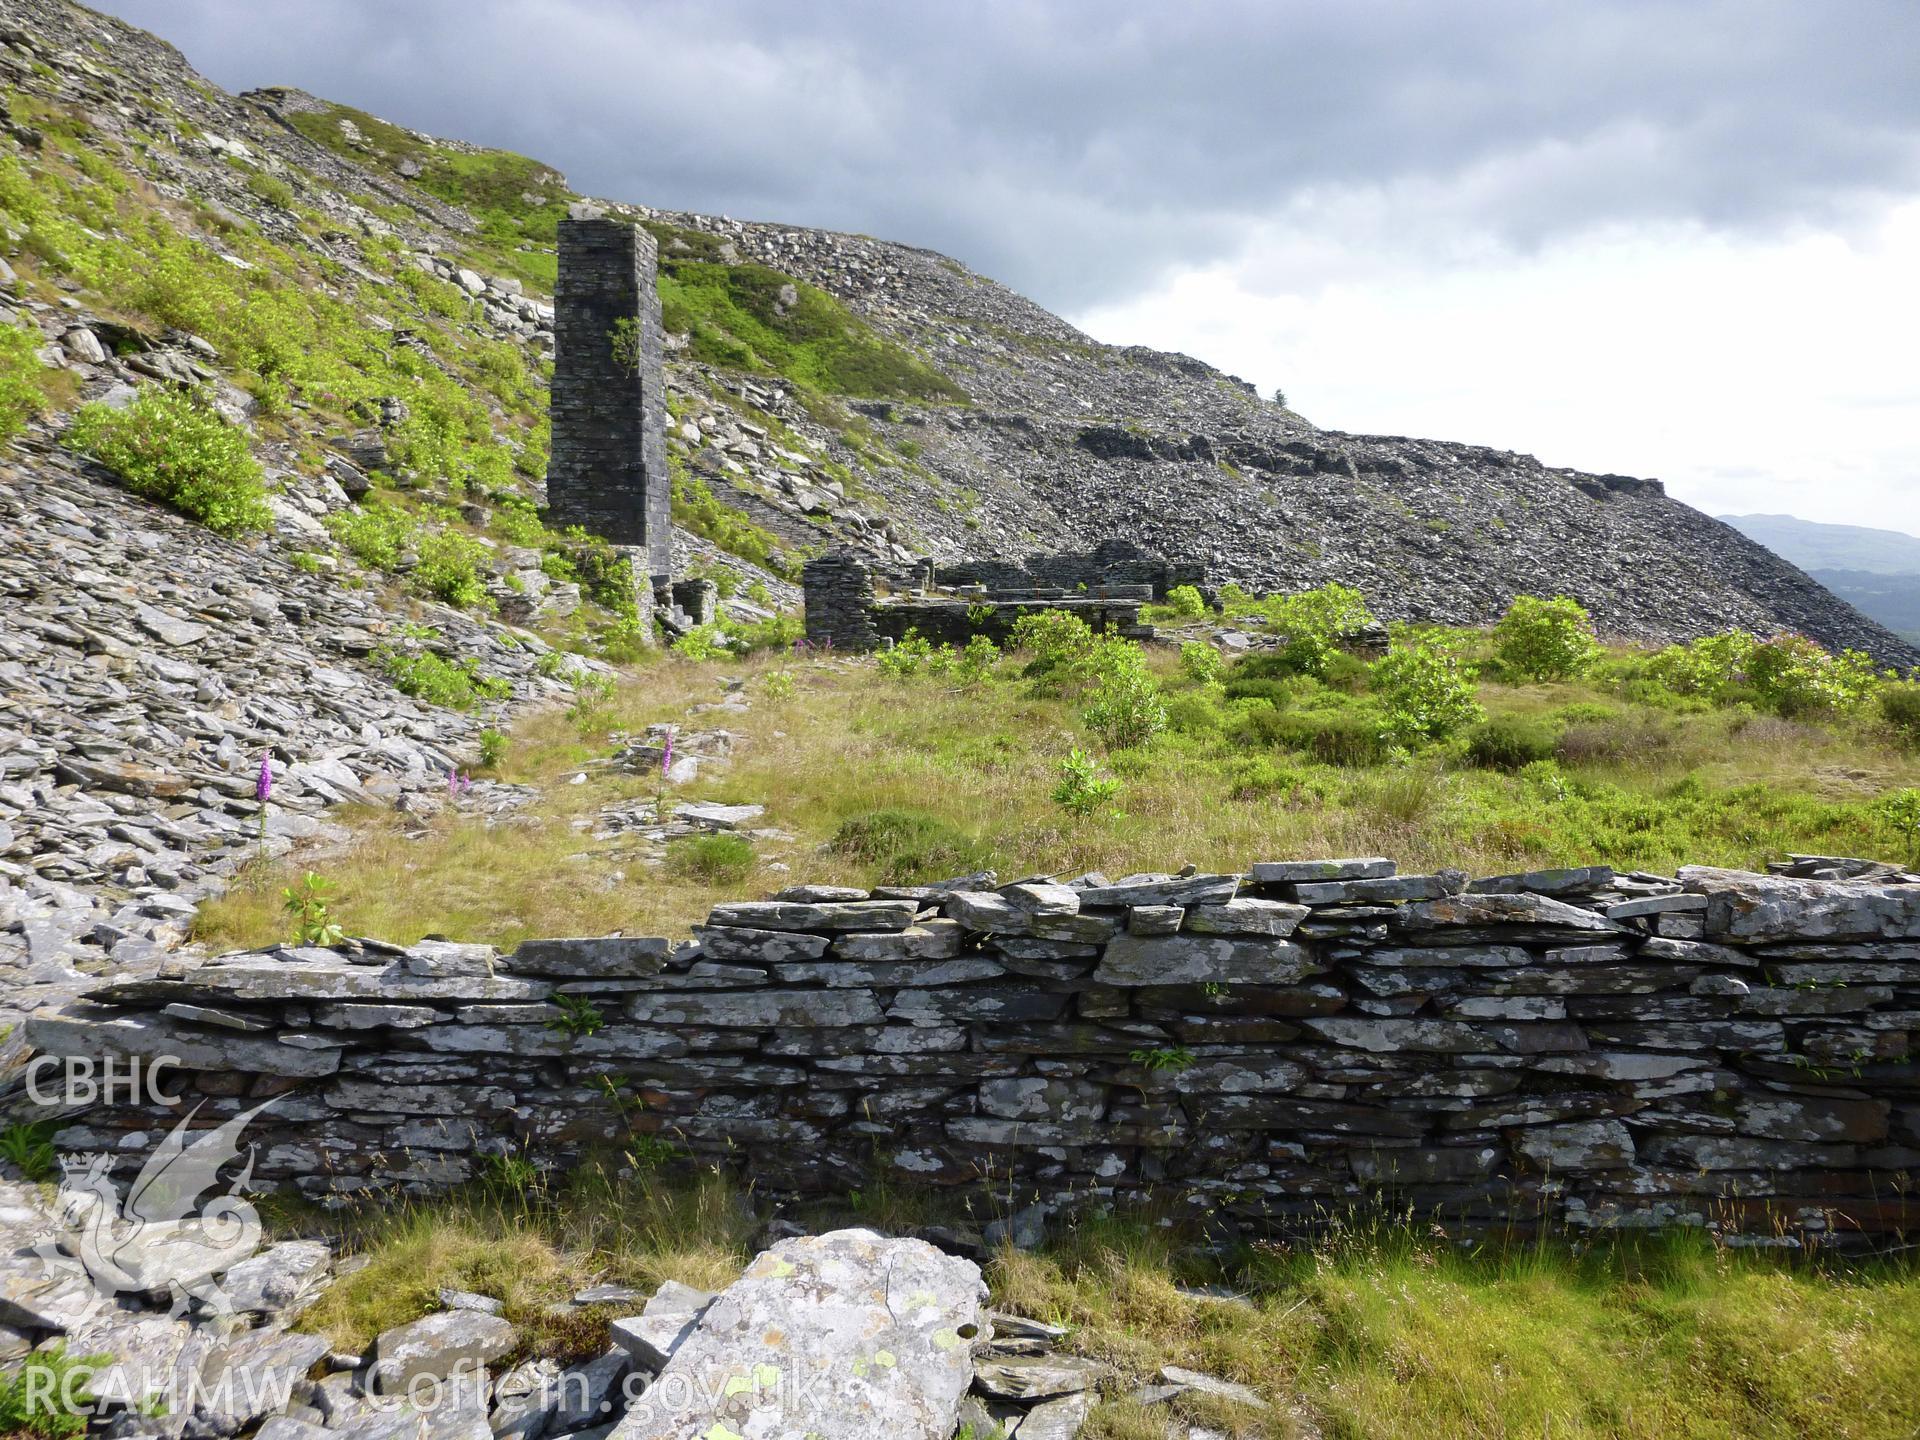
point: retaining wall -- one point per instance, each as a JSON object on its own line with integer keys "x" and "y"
{"x": 1574, "y": 1045}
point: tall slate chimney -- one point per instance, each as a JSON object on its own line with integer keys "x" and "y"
{"x": 608, "y": 470}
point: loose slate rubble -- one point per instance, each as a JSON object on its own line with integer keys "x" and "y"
{"x": 842, "y": 1336}
{"x": 146, "y": 665}
{"x": 1492, "y": 1055}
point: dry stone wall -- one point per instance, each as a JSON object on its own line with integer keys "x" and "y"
{"x": 844, "y": 613}
{"x": 1575, "y": 1046}
{"x": 1112, "y": 562}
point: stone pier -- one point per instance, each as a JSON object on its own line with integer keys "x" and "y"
{"x": 608, "y": 472}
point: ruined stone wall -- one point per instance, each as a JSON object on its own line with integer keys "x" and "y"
{"x": 608, "y": 470}
{"x": 839, "y": 603}
{"x": 1112, "y": 562}
{"x": 955, "y": 622}
{"x": 1728, "y": 1049}
{"x": 844, "y": 613}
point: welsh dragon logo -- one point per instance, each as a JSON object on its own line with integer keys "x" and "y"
{"x": 161, "y": 1236}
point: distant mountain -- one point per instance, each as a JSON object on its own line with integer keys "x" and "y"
{"x": 1875, "y": 571}
{"x": 1815, "y": 547}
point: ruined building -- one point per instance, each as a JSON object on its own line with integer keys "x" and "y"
{"x": 951, "y": 603}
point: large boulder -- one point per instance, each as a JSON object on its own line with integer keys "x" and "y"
{"x": 844, "y": 1336}
{"x": 437, "y": 1347}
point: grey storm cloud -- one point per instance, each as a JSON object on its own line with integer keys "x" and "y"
{"x": 1078, "y": 150}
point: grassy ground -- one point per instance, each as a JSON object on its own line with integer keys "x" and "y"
{"x": 1382, "y": 1330}
{"x": 963, "y": 777}
{"x": 1379, "y": 1332}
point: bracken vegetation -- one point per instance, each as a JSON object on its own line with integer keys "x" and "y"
{"x": 752, "y": 317}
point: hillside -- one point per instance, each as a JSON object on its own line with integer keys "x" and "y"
{"x": 897, "y": 400}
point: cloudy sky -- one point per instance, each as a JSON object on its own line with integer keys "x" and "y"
{"x": 1663, "y": 237}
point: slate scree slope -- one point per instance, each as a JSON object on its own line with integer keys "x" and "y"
{"x": 1060, "y": 441}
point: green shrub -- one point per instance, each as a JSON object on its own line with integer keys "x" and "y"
{"x": 1194, "y": 713}
{"x": 1711, "y": 666}
{"x": 1200, "y": 662}
{"x": 23, "y": 392}
{"x": 1901, "y": 812}
{"x": 779, "y": 633}
{"x": 605, "y": 575}
{"x": 1349, "y": 673}
{"x": 518, "y": 523}
{"x": 1425, "y": 691}
{"x": 703, "y": 642}
{"x": 1275, "y": 692}
{"x": 1083, "y": 789}
{"x": 493, "y": 749}
{"x": 375, "y": 533}
{"x": 592, "y": 696}
{"x": 454, "y": 684}
{"x": 1789, "y": 674}
{"x": 1510, "y": 742}
{"x": 908, "y": 847}
{"x": 1184, "y": 603}
{"x": 720, "y": 859}
{"x": 450, "y": 567}
{"x": 1124, "y": 707}
{"x": 168, "y": 446}
{"x": 1795, "y": 676}
{"x": 1900, "y": 708}
{"x": 975, "y": 662}
{"x": 1545, "y": 639}
{"x": 1263, "y": 665}
{"x": 1058, "y": 642}
{"x": 909, "y": 655}
{"x": 1313, "y": 623}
